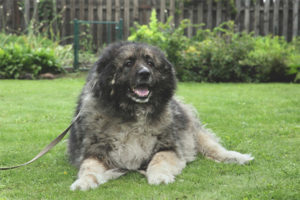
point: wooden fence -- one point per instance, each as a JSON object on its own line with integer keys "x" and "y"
{"x": 278, "y": 17}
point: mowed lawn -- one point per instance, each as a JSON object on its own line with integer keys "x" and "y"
{"x": 262, "y": 119}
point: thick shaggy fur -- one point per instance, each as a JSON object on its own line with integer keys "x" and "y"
{"x": 129, "y": 120}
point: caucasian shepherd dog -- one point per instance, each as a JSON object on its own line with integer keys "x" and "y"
{"x": 129, "y": 120}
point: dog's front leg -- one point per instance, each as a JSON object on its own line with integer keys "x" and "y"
{"x": 163, "y": 167}
{"x": 92, "y": 173}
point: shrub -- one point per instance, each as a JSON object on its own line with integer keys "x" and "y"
{"x": 28, "y": 56}
{"x": 269, "y": 58}
{"x": 213, "y": 57}
{"x": 294, "y": 60}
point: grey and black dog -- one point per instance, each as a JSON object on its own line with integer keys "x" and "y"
{"x": 130, "y": 120}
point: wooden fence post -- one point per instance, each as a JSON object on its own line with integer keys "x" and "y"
{"x": 27, "y": 12}
{"x": 238, "y": 15}
{"x": 117, "y": 10}
{"x": 126, "y": 18}
{"x": 209, "y": 14}
{"x": 100, "y": 18}
{"x": 64, "y": 23}
{"x": 2, "y": 20}
{"x": 190, "y": 27}
{"x": 276, "y": 17}
{"x": 295, "y": 17}
{"x": 135, "y": 11}
{"x": 172, "y": 12}
{"x": 285, "y": 18}
{"x": 257, "y": 17}
{"x": 247, "y": 15}
{"x": 162, "y": 10}
{"x": 266, "y": 17}
{"x": 219, "y": 13}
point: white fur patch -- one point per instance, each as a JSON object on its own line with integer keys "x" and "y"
{"x": 163, "y": 168}
{"x": 92, "y": 173}
{"x": 236, "y": 157}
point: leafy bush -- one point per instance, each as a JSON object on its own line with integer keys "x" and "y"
{"x": 221, "y": 55}
{"x": 294, "y": 60}
{"x": 212, "y": 56}
{"x": 269, "y": 58}
{"x": 28, "y": 56}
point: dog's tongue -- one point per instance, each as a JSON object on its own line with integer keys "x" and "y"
{"x": 141, "y": 92}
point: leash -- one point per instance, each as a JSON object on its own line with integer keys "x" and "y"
{"x": 47, "y": 148}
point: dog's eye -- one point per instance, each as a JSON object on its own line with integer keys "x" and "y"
{"x": 150, "y": 63}
{"x": 128, "y": 63}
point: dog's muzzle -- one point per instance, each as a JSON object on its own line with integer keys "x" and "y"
{"x": 141, "y": 91}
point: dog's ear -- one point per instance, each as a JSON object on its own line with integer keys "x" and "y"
{"x": 102, "y": 62}
{"x": 169, "y": 68}
{"x": 108, "y": 55}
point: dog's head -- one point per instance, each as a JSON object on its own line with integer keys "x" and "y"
{"x": 134, "y": 74}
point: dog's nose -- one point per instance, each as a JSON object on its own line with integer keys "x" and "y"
{"x": 144, "y": 73}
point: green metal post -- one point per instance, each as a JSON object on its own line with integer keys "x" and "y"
{"x": 76, "y": 44}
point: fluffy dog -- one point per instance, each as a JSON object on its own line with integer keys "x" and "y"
{"x": 129, "y": 120}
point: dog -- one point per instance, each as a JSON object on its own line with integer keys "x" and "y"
{"x": 129, "y": 120}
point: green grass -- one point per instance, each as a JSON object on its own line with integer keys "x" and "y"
{"x": 263, "y": 119}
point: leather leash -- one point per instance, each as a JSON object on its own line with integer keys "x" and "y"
{"x": 47, "y": 148}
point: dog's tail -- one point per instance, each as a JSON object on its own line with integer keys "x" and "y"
{"x": 209, "y": 145}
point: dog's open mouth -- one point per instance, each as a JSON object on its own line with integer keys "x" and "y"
{"x": 140, "y": 94}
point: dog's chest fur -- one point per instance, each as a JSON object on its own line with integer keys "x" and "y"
{"x": 133, "y": 143}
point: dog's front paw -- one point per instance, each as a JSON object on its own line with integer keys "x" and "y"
{"x": 86, "y": 182}
{"x": 156, "y": 178}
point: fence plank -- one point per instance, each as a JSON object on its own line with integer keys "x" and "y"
{"x": 266, "y": 17}
{"x": 9, "y": 15}
{"x": 136, "y": 10}
{"x": 126, "y": 18}
{"x": 2, "y": 20}
{"x": 162, "y": 10}
{"x": 200, "y": 12}
{"x": 295, "y": 17}
{"x": 219, "y": 13}
{"x": 257, "y": 17}
{"x": 190, "y": 27}
{"x": 91, "y": 10}
{"x": 108, "y": 11}
{"x": 238, "y": 16}
{"x": 81, "y": 9}
{"x": 209, "y": 14}
{"x": 181, "y": 10}
{"x": 72, "y": 13}
{"x": 27, "y": 12}
{"x": 172, "y": 12}
{"x": 117, "y": 10}
{"x": 276, "y": 17}
{"x": 247, "y": 16}
{"x": 100, "y": 26}
{"x": 64, "y": 20}
{"x": 285, "y": 18}
{"x": 35, "y": 12}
